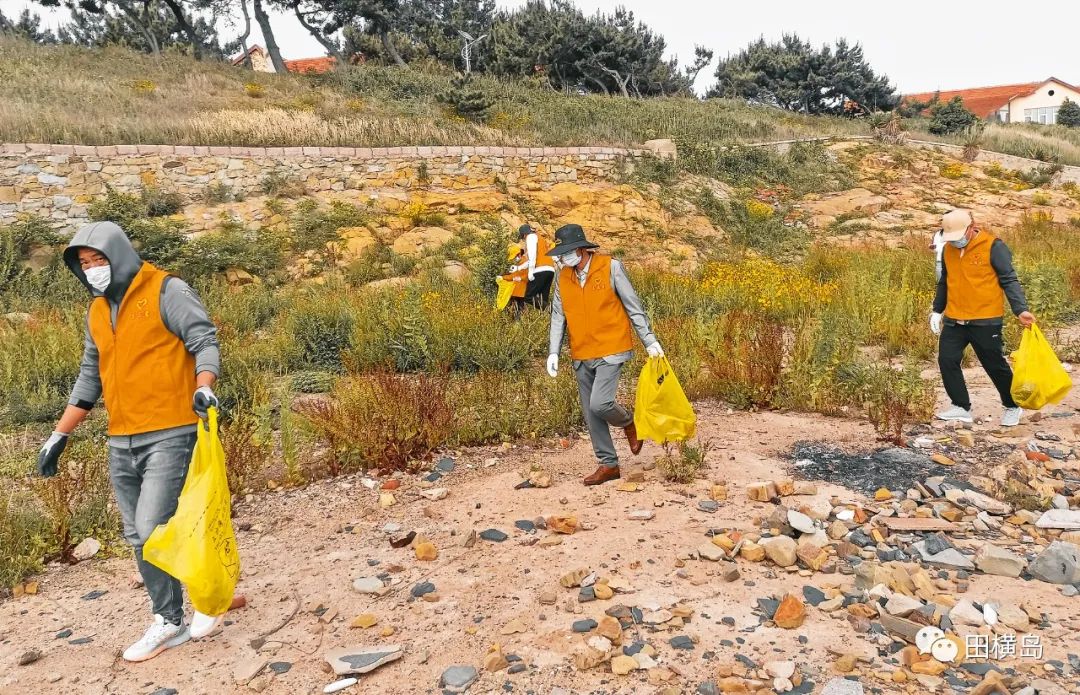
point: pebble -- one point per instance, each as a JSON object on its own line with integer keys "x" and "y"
{"x": 708, "y": 506}
{"x": 494, "y": 535}
{"x": 90, "y": 546}
{"x": 525, "y": 525}
{"x": 681, "y": 642}
{"x": 586, "y": 625}
{"x": 29, "y": 656}
{"x": 368, "y": 585}
{"x": 422, "y": 588}
{"x": 641, "y": 515}
{"x": 280, "y": 667}
{"x": 457, "y": 679}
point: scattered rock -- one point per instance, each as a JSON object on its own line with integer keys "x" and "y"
{"x": 457, "y": 679}
{"x": 641, "y": 515}
{"x": 965, "y": 613}
{"x": 800, "y": 522}
{"x": 586, "y": 625}
{"x": 563, "y": 524}
{"x": 422, "y": 589}
{"x": 791, "y": 613}
{"x": 681, "y": 642}
{"x": 494, "y": 535}
{"x": 426, "y": 551}
{"x": 761, "y": 491}
{"x": 350, "y": 660}
{"x": 1058, "y": 564}
{"x": 495, "y": 661}
{"x": 994, "y": 560}
{"x": 247, "y": 667}
{"x": 574, "y": 578}
{"x": 364, "y": 620}
{"x": 86, "y": 549}
{"x": 902, "y": 605}
{"x": 712, "y": 552}
{"x": 708, "y": 506}
{"x": 29, "y": 656}
{"x": 780, "y": 549}
{"x": 780, "y": 669}
{"x": 622, "y": 665}
{"x": 842, "y": 686}
{"x": 434, "y": 494}
{"x": 1064, "y": 519}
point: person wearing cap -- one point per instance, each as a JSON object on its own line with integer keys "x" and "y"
{"x": 595, "y": 303}
{"x": 538, "y": 267}
{"x": 152, "y": 352}
{"x": 977, "y": 276}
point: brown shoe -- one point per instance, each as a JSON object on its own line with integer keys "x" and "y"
{"x": 631, "y": 437}
{"x": 602, "y": 474}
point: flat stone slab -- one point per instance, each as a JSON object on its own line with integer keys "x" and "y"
{"x": 1065, "y": 519}
{"x": 919, "y": 524}
{"x": 457, "y": 679}
{"x": 349, "y": 660}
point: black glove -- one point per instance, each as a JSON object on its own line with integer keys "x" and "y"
{"x": 50, "y": 454}
{"x": 203, "y": 400}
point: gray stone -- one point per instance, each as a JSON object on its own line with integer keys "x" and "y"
{"x": 457, "y": 679}
{"x": 445, "y": 465}
{"x": 952, "y": 557}
{"x": 1064, "y": 519}
{"x": 247, "y": 667}
{"x": 494, "y": 535}
{"x": 584, "y": 625}
{"x": 641, "y": 515}
{"x": 368, "y": 585}
{"x": 1058, "y": 564}
{"x": 800, "y": 522}
{"x": 1069, "y": 590}
{"x": 713, "y": 553}
{"x": 708, "y": 688}
{"x": 681, "y": 642}
{"x": 994, "y": 560}
{"x": 900, "y": 627}
{"x": 421, "y": 588}
{"x": 1060, "y": 502}
{"x": 842, "y": 686}
{"x": 813, "y": 595}
{"x": 708, "y": 506}
{"x": 349, "y": 660}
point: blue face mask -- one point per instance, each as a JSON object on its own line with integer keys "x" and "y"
{"x": 960, "y": 243}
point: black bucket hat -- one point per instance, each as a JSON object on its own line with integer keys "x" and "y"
{"x": 570, "y": 237}
{"x": 524, "y": 231}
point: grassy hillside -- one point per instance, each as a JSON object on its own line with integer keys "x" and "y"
{"x": 73, "y": 95}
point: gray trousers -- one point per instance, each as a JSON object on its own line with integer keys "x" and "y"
{"x": 147, "y": 481}
{"x": 598, "y": 382}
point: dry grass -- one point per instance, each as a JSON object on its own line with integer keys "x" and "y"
{"x": 66, "y": 94}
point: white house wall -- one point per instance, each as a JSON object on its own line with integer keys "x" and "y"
{"x": 1041, "y": 99}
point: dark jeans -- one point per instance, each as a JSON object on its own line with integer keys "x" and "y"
{"x": 987, "y": 342}
{"x": 147, "y": 481}
{"x": 538, "y": 290}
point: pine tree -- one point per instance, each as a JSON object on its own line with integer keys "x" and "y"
{"x": 1068, "y": 114}
{"x": 467, "y": 101}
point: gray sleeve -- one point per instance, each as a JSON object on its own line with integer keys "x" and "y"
{"x": 558, "y": 320}
{"x": 1001, "y": 261}
{"x": 186, "y": 317}
{"x": 941, "y": 293}
{"x": 632, "y": 303}
{"x": 87, "y": 389}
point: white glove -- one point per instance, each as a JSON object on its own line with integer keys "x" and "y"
{"x": 532, "y": 276}
{"x": 203, "y": 400}
{"x": 655, "y": 350}
{"x": 553, "y": 365}
{"x": 935, "y": 323}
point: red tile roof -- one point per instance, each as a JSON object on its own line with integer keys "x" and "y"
{"x": 982, "y": 101}
{"x": 311, "y": 65}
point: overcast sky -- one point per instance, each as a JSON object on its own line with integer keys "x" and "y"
{"x": 921, "y": 45}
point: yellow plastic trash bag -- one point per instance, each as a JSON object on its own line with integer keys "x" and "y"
{"x": 1039, "y": 379}
{"x": 662, "y": 412}
{"x": 506, "y": 290}
{"x": 197, "y": 545}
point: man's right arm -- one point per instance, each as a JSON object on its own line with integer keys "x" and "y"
{"x": 558, "y": 321}
{"x": 87, "y": 389}
{"x": 942, "y": 295}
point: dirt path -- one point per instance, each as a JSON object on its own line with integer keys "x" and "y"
{"x": 295, "y": 547}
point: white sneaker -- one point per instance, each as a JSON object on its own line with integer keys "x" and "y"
{"x": 202, "y": 624}
{"x": 159, "y": 637}
{"x": 955, "y": 414}
{"x": 1011, "y": 417}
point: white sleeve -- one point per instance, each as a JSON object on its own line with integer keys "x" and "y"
{"x": 530, "y": 250}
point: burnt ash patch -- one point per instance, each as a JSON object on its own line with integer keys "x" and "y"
{"x": 893, "y": 468}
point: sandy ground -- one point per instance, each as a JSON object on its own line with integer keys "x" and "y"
{"x": 295, "y": 548}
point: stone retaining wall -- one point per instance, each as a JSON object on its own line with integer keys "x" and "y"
{"x": 57, "y": 182}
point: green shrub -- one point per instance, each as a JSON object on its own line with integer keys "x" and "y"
{"x": 313, "y": 226}
{"x": 39, "y": 362}
{"x": 770, "y": 235}
{"x": 321, "y": 328}
{"x": 283, "y": 185}
{"x": 159, "y": 241}
{"x": 683, "y": 462}
{"x": 24, "y": 535}
{"x": 951, "y": 117}
{"x": 218, "y": 193}
{"x": 231, "y": 246}
{"x": 498, "y": 406}
{"x": 312, "y": 382}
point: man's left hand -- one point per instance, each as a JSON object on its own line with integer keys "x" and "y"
{"x": 532, "y": 276}
{"x": 1027, "y": 319}
{"x": 203, "y": 400}
{"x": 655, "y": 350}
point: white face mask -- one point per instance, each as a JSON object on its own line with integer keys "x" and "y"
{"x": 571, "y": 259}
{"x": 99, "y": 277}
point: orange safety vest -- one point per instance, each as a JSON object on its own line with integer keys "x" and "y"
{"x": 147, "y": 374}
{"x": 542, "y": 259}
{"x": 519, "y": 278}
{"x": 973, "y": 288}
{"x": 595, "y": 316}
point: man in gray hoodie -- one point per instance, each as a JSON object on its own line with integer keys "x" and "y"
{"x": 152, "y": 352}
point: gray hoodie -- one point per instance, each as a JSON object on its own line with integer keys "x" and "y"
{"x": 181, "y": 310}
